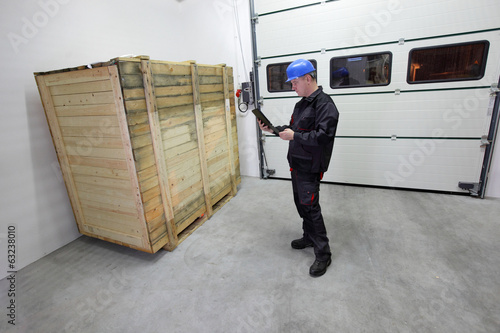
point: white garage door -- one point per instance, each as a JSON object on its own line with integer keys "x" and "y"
{"x": 415, "y": 84}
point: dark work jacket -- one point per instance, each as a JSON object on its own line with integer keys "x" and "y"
{"x": 314, "y": 121}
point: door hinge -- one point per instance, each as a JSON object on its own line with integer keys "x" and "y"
{"x": 473, "y": 188}
{"x": 484, "y": 141}
{"x": 269, "y": 172}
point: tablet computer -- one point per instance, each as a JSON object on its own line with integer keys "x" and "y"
{"x": 266, "y": 121}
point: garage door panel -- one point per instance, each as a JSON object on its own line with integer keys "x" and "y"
{"x": 420, "y": 164}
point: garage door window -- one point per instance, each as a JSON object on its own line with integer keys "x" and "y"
{"x": 276, "y": 77}
{"x": 448, "y": 63}
{"x": 361, "y": 70}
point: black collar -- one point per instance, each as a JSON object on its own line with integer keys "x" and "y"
{"x": 311, "y": 97}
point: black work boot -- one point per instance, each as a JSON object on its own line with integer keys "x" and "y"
{"x": 319, "y": 267}
{"x": 300, "y": 244}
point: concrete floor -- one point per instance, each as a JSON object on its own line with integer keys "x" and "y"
{"x": 402, "y": 262}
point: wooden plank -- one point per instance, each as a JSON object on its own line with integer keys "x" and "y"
{"x": 187, "y": 227}
{"x": 104, "y": 191}
{"x": 131, "y": 81}
{"x": 98, "y": 162}
{"x": 140, "y": 141}
{"x": 174, "y": 91}
{"x": 133, "y": 93}
{"x": 135, "y": 242}
{"x": 173, "y": 152}
{"x": 211, "y": 88}
{"x": 229, "y": 132}
{"x": 86, "y": 110}
{"x": 160, "y": 80}
{"x": 134, "y": 188}
{"x": 149, "y": 183}
{"x": 200, "y": 136}
{"x": 60, "y": 148}
{"x": 96, "y": 142}
{"x": 87, "y": 75}
{"x": 84, "y": 150}
{"x": 150, "y": 194}
{"x": 210, "y": 70}
{"x": 158, "y": 152}
{"x": 174, "y": 101}
{"x": 184, "y": 179}
{"x": 89, "y": 131}
{"x": 129, "y": 67}
{"x": 103, "y": 201}
{"x": 99, "y": 172}
{"x": 94, "y": 98}
{"x": 147, "y": 173}
{"x": 205, "y": 80}
{"x": 135, "y": 105}
{"x": 96, "y": 122}
{"x": 189, "y": 204}
{"x": 123, "y": 184}
{"x": 109, "y": 207}
{"x": 79, "y": 88}
{"x": 188, "y": 158}
{"x": 212, "y": 97}
{"x": 171, "y": 68}
{"x": 152, "y": 204}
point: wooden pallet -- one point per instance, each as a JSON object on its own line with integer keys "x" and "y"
{"x": 147, "y": 148}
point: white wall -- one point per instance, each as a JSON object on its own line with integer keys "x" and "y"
{"x": 43, "y": 35}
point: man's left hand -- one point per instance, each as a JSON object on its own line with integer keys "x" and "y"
{"x": 287, "y": 134}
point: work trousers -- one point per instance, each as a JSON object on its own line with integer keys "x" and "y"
{"x": 306, "y": 197}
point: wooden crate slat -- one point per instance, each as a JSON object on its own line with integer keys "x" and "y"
{"x": 98, "y": 162}
{"x": 171, "y": 69}
{"x": 97, "y": 190}
{"x": 174, "y": 91}
{"x": 107, "y": 201}
{"x": 114, "y": 236}
{"x": 95, "y": 122}
{"x": 57, "y": 137}
{"x": 122, "y": 120}
{"x": 200, "y": 137}
{"x": 158, "y": 152}
{"x": 96, "y": 98}
{"x": 83, "y": 87}
{"x": 87, "y": 75}
{"x": 94, "y": 142}
{"x": 89, "y": 131}
{"x": 90, "y": 151}
{"x": 109, "y": 207}
{"x": 99, "y": 171}
{"x": 86, "y": 110}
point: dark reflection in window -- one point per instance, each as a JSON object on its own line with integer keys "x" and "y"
{"x": 276, "y": 77}
{"x": 360, "y": 70}
{"x": 448, "y": 63}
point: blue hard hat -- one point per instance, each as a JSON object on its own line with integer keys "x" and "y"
{"x": 298, "y": 68}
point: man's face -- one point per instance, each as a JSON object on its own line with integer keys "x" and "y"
{"x": 299, "y": 85}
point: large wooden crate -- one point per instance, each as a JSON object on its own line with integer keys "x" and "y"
{"x": 148, "y": 149}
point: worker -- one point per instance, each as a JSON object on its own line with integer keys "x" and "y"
{"x": 311, "y": 134}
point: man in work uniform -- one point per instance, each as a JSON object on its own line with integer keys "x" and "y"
{"x": 311, "y": 133}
